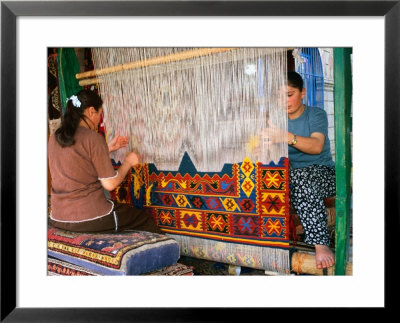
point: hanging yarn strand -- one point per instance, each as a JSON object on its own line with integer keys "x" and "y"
{"x": 212, "y": 106}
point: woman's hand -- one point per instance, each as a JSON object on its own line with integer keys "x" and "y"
{"x": 312, "y": 145}
{"x": 132, "y": 159}
{"x": 272, "y": 135}
{"x": 117, "y": 142}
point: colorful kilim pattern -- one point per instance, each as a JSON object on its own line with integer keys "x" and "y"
{"x": 245, "y": 203}
{"x": 174, "y": 270}
{"x": 131, "y": 190}
{"x": 125, "y": 253}
{"x": 57, "y": 267}
{"x": 259, "y": 257}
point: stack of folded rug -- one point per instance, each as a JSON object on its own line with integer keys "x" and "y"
{"x": 125, "y": 253}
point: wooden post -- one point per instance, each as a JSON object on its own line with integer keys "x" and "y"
{"x": 343, "y": 96}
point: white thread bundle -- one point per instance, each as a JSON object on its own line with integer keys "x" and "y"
{"x": 210, "y": 106}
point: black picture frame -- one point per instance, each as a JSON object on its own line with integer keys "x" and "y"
{"x": 10, "y": 10}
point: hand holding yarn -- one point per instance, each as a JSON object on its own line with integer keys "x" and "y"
{"x": 132, "y": 158}
{"x": 273, "y": 135}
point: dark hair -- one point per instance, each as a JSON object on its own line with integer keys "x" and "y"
{"x": 74, "y": 114}
{"x": 295, "y": 80}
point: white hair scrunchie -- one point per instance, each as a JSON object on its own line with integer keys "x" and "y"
{"x": 75, "y": 101}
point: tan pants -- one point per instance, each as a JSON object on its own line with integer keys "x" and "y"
{"x": 123, "y": 217}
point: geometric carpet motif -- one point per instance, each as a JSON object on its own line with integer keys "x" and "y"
{"x": 244, "y": 203}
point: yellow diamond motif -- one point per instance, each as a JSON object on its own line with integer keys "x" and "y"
{"x": 200, "y": 253}
{"x": 181, "y": 200}
{"x": 247, "y": 260}
{"x": 247, "y": 166}
{"x": 231, "y": 258}
{"x": 247, "y": 186}
{"x": 229, "y": 204}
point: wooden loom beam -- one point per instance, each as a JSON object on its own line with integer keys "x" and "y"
{"x": 147, "y": 62}
{"x": 304, "y": 263}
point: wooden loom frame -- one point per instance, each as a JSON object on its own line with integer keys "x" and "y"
{"x": 94, "y": 76}
{"x": 300, "y": 262}
{"x": 147, "y": 62}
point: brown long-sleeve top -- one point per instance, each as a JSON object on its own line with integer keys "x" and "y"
{"x": 77, "y": 194}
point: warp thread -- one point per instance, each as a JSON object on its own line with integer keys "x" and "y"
{"x": 210, "y": 106}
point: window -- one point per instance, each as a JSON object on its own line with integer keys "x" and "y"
{"x": 310, "y": 68}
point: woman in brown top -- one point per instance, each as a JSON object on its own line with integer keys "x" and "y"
{"x": 81, "y": 169}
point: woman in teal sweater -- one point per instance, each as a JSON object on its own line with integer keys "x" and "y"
{"x": 312, "y": 170}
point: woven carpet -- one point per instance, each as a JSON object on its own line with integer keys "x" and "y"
{"x": 187, "y": 266}
{"x": 245, "y": 203}
{"x": 124, "y": 253}
{"x": 56, "y": 267}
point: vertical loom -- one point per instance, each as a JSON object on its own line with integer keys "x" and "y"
{"x": 194, "y": 115}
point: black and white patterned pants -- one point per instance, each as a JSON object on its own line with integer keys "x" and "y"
{"x": 309, "y": 186}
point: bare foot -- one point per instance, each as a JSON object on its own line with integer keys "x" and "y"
{"x": 324, "y": 256}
